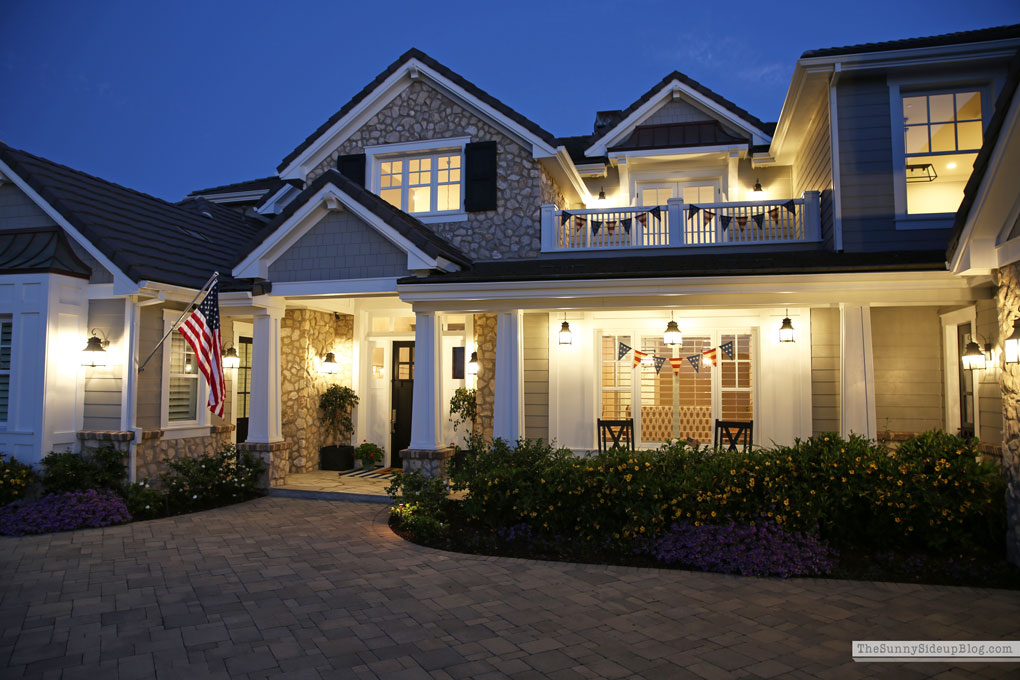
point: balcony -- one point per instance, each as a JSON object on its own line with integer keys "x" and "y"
{"x": 679, "y": 225}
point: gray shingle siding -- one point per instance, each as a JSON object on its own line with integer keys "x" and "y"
{"x": 340, "y": 246}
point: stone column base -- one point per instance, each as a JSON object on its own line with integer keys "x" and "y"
{"x": 276, "y": 456}
{"x": 430, "y": 462}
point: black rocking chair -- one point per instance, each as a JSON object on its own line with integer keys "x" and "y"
{"x": 619, "y": 432}
{"x": 733, "y": 435}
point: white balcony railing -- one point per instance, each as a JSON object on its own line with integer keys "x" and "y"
{"x": 680, "y": 225}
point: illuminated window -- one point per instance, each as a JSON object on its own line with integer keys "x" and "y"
{"x": 183, "y": 397}
{"x": 942, "y": 134}
{"x": 422, "y": 184}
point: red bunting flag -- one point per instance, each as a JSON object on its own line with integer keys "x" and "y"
{"x": 638, "y": 356}
{"x": 580, "y": 222}
{"x": 676, "y": 363}
{"x": 642, "y": 218}
{"x": 774, "y": 214}
{"x": 708, "y": 357}
{"x": 742, "y": 221}
{"x": 708, "y": 215}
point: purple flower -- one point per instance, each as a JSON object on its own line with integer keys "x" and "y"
{"x": 64, "y": 512}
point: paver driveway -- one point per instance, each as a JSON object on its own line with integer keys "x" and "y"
{"x": 307, "y": 589}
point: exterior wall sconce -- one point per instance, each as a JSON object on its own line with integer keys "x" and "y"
{"x": 472, "y": 364}
{"x": 1011, "y": 346}
{"x": 786, "y": 330}
{"x": 972, "y": 358}
{"x": 230, "y": 358}
{"x": 672, "y": 335}
{"x": 94, "y": 354}
{"x": 566, "y": 335}
{"x": 757, "y": 193}
{"x": 329, "y": 365}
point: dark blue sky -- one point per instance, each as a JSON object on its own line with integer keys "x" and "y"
{"x": 174, "y": 96}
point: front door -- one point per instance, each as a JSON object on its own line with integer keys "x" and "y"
{"x": 243, "y": 387}
{"x": 402, "y": 390}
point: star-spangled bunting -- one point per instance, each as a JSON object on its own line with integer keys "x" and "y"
{"x": 638, "y": 356}
{"x": 774, "y": 214}
{"x": 708, "y": 357}
{"x": 595, "y": 226}
{"x": 656, "y": 212}
{"x": 695, "y": 361}
{"x": 692, "y": 211}
{"x": 791, "y": 206}
{"x": 727, "y": 349}
{"x": 624, "y": 348}
{"x": 676, "y": 364}
{"x": 564, "y": 217}
{"x": 659, "y": 363}
{"x": 626, "y": 224}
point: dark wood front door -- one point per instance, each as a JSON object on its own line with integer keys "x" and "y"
{"x": 402, "y": 382}
{"x": 243, "y": 395}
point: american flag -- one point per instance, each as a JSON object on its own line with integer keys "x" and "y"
{"x": 202, "y": 331}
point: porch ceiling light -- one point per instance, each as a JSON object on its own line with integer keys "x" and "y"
{"x": 94, "y": 354}
{"x": 973, "y": 357}
{"x": 1011, "y": 346}
{"x": 566, "y": 335}
{"x": 602, "y": 193}
{"x": 472, "y": 364}
{"x": 329, "y": 365}
{"x": 230, "y": 358}
{"x": 786, "y": 330}
{"x": 672, "y": 334}
{"x": 757, "y": 193}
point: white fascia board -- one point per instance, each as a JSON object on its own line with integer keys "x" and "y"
{"x": 369, "y": 286}
{"x": 758, "y": 136}
{"x": 233, "y": 196}
{"x": 270, "y": 206}
{"x": 380, "y": 97}
{"x": 121, "y": 281}
{"x": 798, "y": 96}
{"x": 256, "y": 265}
{"x": 687, "y": 151}
{"x": 562, "y": 168}
{"x": 920, "y": 56}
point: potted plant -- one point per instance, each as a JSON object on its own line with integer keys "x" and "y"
{"x": 464, "y": 408}
{"x": 368, "y": 454}
{"x": 335, "y": 405}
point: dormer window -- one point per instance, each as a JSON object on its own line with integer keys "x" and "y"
{"x": 422, "y": 183}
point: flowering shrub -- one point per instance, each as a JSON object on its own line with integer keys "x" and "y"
{"x": 102, "y": 468}
{"x": 145, "y": 502}
{"x": 63, "y": 512}
{"x": 420, "y": 505}
{"x": 208, "y": 481}
{"x": 368, "y": 453}
{"x": 15, "y": 478}
{"x": 760, "y": 548}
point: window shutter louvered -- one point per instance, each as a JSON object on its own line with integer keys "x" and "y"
{"x": 352, "y": 167}
{"x": 479, "y": 176}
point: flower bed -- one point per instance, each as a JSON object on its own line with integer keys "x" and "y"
{"x": 63, "y": 512}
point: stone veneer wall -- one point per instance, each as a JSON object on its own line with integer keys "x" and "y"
{"x": 1008, "y": 304}
{"x": 305, "y": 337}
{"x": 420, "y": 112}
{"x": 485, "y": 343}
{"x": 154, "y": 451}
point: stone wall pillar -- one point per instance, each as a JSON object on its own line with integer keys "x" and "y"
{"x": 276, "y": 456}
{"x": 485, "y": 342}
{"x": 1008, "y": 305}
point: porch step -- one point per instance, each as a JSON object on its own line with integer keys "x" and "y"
{"x": 329, "y": 496}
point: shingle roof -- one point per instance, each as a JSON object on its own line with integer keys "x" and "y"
{"x": 459, "y": 80}
{"x": 145, "y": 237}
{"x": 575, "y": 148}
{"x": 690, "y": 265}
{"x": 260, "y": 184}
{"x": 406, "y": 225}
{"x": 992, "y": 133}
{"x": 676, "y": 135}
{"x": 960, "y": 37}
{"x": 34, "y": 251}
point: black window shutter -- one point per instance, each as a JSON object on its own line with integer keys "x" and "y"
{"x": 352, "y": 167}
{"x": 480, "y": 176}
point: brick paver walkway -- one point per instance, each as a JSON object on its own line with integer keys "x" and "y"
{"x": 314, "y": 589}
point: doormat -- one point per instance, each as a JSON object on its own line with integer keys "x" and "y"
{"x": 377, "y": 473}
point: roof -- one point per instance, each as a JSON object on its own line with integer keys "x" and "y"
{"x": 147, "y": 238}
{"x": 456, "y": 78}
{"x": 673, "y": 135}
{"x": 693, "y": 264}
{"x": 40, "y": 250}
{"x": 960, "y": 37}
{"x": 992, "y": 133}
{"x": 260, "y": 184}
{"x": 575, "y": 147}
{"x": 406, "y": 225}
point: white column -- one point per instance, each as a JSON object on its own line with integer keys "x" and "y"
{"x": 264, "y": 407}
{"x": 550, "y": 227}
{"x": 675, "y": 210}
{"x": 857, "y": 372}
{"x": 425, "y": 410}
{"x": 508, "y": 406}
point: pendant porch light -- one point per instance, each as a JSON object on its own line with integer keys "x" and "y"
{"x": 786, "y": 329}
{"x": 566, "y": 335}
{"x": 672, "y": 335}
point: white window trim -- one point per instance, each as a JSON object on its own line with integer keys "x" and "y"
{"x": 182, "y": 428}
{"x": 374, "y": 155}
{"x": 951, "y": 368}
{"x": 9, "y": 372}
{"x": 982, "y": 84}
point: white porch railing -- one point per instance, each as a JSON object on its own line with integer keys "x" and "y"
{"x": 678, "y": 225}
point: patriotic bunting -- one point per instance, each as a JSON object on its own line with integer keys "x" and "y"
{"x": 708, "y": 357}
{"x": 659, "y": 363}
{"x": 595, "y": 226}
{"x": 580, "y": 222}
{"x": 624, "y": 348}
{"x": 656, "y": 212}
{"x": 642, "y": 219}
{"x": 638, "y": 356}
{"x": 626, "y": 224}
{"x": 676, "y": 364}
{"x": 709, "y": 215}
{"x": 774, "y": 214}
{"x": 727, "y": 349}
{"x": 791, "y": 205}
{"x": 725, "y": 220}
{"x": 759, "y": 219}
{"x": 695, "y": 362}
{"x": 692, "y": 211}
{"x": 742, "y": 221}
{"x": 611, "y": 226}
{"x": 564, "y": 217}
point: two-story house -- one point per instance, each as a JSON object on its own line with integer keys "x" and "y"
{"x": 428, "y": 237}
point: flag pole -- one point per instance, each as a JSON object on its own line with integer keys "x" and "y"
{"x": 187, "y": 309}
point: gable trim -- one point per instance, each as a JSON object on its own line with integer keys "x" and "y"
{"x": 122, "y": 282}
{"x": 625, "y": 126}
{"x": 382, "y": 95}
{"x": 329, "y": 197}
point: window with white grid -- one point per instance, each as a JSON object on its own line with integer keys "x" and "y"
{"x": 422, "y": 183}
{"x": 735, "y": 386}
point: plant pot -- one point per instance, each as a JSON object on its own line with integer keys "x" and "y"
{"x": 336, "y": 457}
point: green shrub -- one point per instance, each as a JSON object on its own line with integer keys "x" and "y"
{"x": 369, "y": 453}
{"x": 420, "y": 505}
{"x": 209, "y": 481}
{"x": 145, "y": 502}
{"x": 102, "y": 468}
{"x": 15, "y": 478}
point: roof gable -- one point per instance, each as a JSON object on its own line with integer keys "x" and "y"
{"x": 694, "y": 96}
{"x": 412, "y": 65}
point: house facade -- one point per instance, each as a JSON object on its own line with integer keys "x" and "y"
{"x": 426, "y": 222}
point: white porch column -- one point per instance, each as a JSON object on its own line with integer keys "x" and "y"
{"x": 857, "y": 372}
{"x": 264, "y": 408}
{"x": 425, "y": 413}
{"x": 508, "y": 406}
